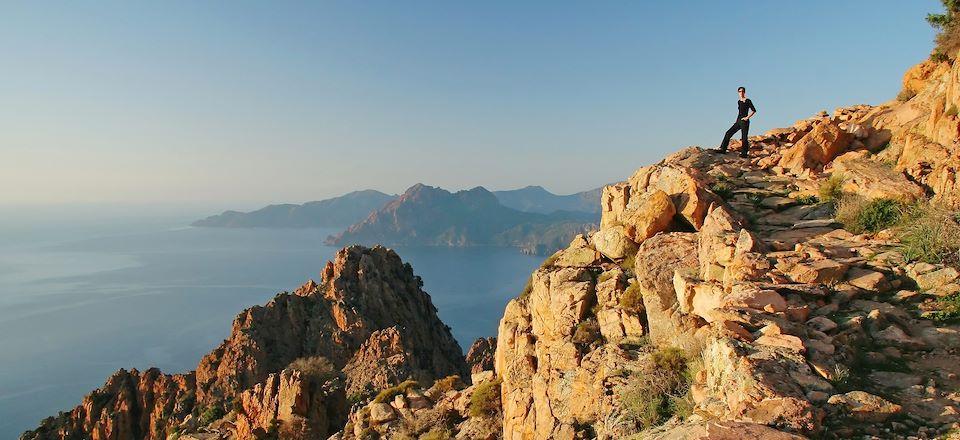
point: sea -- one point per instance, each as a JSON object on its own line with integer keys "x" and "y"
{"x": 88, "y": 289}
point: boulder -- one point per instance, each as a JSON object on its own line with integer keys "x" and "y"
{"x": 613, "y": 243}
{"x": 820, "y": 271}
{"x": 647, "y": 215}
{"x": 865, "y": 406}
{"x": 868, "y": 280}
{"x": 873, "y": 180}
{"x": 825, "y": 142}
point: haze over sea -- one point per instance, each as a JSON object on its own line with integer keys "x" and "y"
{"x": 87, "y": 290}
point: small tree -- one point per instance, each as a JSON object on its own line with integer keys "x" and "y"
{"x": 948, "y": 31}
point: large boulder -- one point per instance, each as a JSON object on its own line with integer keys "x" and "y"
{"x": 647, "y": 215}
{"x": 613, "y": 243}
{"x": 817, "y": 148}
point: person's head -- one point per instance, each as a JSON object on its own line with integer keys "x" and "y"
{"x": 742, "y": 91}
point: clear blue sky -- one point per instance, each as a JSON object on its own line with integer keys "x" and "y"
{"x": 246, "y": 102}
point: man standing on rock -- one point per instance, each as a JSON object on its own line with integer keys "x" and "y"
{"x": 742, "y": 124}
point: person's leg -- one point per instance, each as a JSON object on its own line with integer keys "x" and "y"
{"x": 744, "y": 144}
{"x": 729, "y": 134}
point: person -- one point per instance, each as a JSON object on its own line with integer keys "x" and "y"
{"x": 742, "y": 124}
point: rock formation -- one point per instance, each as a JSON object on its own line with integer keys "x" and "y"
{"x": 294, "y": 361}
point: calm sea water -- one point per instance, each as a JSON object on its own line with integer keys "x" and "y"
{"x": 86, "y": 291}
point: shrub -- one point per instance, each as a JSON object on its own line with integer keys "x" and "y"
{"x": 930, "y": 234}
{"x": 632, "y": 299}
{"x": 485, "y": 399}
{"x": 452, "y": 382}
{"x": 388, "y": 394}
{"x": 952, "y": 111}
{"x": 948, "y": 309}
{"x": 807, "y": 199}
{"x": 316, "y": 367}
{"x": 437, "y": 434}
{"x": 662, "y": 392}
{"x": 722, "y": 189}
{"x": 587, "y": 332}
{"x": 832, "y": 189}
{"x": 211, "y": 415}
{"x": 605, "y": 276}
{"x": 906, "y": 95}
{"x": 755, "y": 199}
{"x": 859, "y": 215}
{"x": 629, "y": 262}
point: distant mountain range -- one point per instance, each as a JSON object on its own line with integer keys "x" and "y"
{"x": 337, "y": 212}
{"x": 538, "y": 199}
{"x": 431, "y": 216}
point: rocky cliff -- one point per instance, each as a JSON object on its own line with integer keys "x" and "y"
{"x": 289, "y": 365}
{"x": 719, "y": 299}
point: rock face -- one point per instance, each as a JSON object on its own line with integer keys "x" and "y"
{"x": 767, "y": 301}
{"x": 368, "y": 318}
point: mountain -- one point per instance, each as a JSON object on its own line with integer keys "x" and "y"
{"x": 538, "y": 199}
{"x": 430, "y": 216}
{"x": 294, "y": 361}
{"x": 330, "y": 213}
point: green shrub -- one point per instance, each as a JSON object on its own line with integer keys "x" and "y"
{"x": 485, "y": 399}
{"x": 859, "y": 215}
{"x": 832, "y": 189}
{"x": 629, "y": 262}
{"x": 211, "y": 415}
{"x": 952, "y": 111}
{"x": 587, "y": 332}
{"x": 388, "y": 394}
{"x": 755, "y": 199}
{"x": 722, "y": 189}
{"x": 930, "y": 234}
{"x": 605, "y": 276}
{"x": 807, "y": 199}
{"x": 948, "y": 309}
{"x": 632, "y": 299}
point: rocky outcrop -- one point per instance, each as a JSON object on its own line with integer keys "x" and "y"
{"x": 368, "y": 319}
{"x": 480, "y": 355}
{"x": 751, "y": 287}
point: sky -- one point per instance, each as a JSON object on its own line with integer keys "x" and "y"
{"x": 242, "y": 103}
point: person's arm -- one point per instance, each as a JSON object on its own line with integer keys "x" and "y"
{"x": 753, "y": 111}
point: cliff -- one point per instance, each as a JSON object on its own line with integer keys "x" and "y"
{"x": 288, "y": 365}
{"x": 720, "y": 299}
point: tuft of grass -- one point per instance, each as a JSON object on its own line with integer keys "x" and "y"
{"x": 629, "y": 262}
{"x": 859, "y": 215}
{"x": 632, "y": 299}
{"x": 485, "y": 399}
{"x": 952, "y": 111}
{"x": 551, "y": 260}
{"x": 528, "y": 289}
{"x": 930, "y": 234}
{"x": 388, "y": 394}
{"x": 832, "y": 189}
{"x": 605, "y": 276}
{"x": 755, "y": 199}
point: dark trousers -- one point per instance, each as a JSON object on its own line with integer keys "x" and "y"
{"x": 744, "y": 128}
